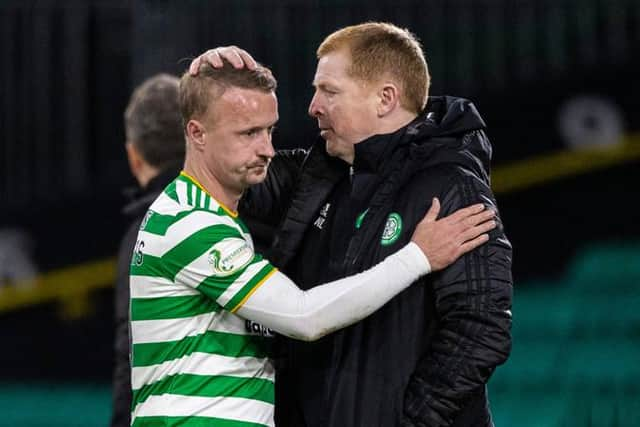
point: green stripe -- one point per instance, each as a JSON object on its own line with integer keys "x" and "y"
{"x": 233, "y": 302}
{"x": 189, "y": 198}
{"x": 190, "y": 422}
{"x": 201, "y": 198}
{"x": 184, "y": 178}
{"x": 195, "y": 245}
{"x": 244, "y": 228}
{"x": 151, "y": 266}
{"x": 214, "y": 286}
{"x": 171, "y": 191}
{"x": 183, "y": 253}
{"x": 225, "y": 344}
{"x": 208, "y": 386}
{"x": 171, "y": 307}
{"x": 159, "y": 223}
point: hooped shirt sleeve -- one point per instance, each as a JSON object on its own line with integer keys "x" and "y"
{"x": 224, "y": 266}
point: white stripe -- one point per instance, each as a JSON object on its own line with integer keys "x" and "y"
{"x": 208, "y": 203}
{"x": 229, "y": 323}
{"x": 199, "y": 197}
{"x": 162, "y": 330}
{"x": 214, "y": 205}
{"x": 157, "y": 287}
{"x": 181, "y": 191}
{"x": 231, "y": 408}
{"x": 194, "y": 195}
{"x": 154, "y": 244}
{"x": 165, "y": 205}
{"x": 242, "y": 280}
{"x": 203, "y": 199}
{"x": 204, "y": 364}
{"x": 177, "y": 232}
{"x": 194, "y": 222}
{"x": 194, "y": 273}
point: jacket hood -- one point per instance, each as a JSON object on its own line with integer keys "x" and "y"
{"x": 448, "y": 115}
{"x": 450, "y": 130}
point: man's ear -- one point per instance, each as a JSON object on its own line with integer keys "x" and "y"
{"x": 136, "y": 162}
{"x": 195, "y": 134}
{"x": 389, "y": 98}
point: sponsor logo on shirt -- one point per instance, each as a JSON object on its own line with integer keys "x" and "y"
{"x": 392, "y": 229}
{"x": 255, "y": 328}
{"x": 229, "y": 256}
{"x": 319, "y": 222}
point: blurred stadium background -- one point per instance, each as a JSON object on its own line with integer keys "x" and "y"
{"x": 556, "y": 81}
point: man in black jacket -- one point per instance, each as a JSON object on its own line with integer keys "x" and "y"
{"x": 155, "y": 149}
{"x": 425, "y": 358}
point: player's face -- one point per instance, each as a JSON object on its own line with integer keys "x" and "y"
{"x": 238, "y": 133}
{"x": 344, "y": 107}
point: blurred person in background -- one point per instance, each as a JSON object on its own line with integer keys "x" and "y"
{"x": 17, "y": 266}
{"x": 204, "y": 304}
{"x": 155, "y": 148}
{"x": 387, "y": 150}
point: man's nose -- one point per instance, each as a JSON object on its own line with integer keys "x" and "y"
{"x": 266, "y": 148}
{"x": 314, "y": 106}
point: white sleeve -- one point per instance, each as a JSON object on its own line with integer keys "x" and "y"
{"x": 309, "y": 315}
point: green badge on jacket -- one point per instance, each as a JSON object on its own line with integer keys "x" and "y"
{"x": 392, "y": 229}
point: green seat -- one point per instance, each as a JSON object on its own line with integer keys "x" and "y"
{"x": 576, "y": 346}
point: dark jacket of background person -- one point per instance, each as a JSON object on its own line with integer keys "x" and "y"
{"x": 135, "y": 210}
{"x": 155, "y": 149}
{"x": 425, "y": 357}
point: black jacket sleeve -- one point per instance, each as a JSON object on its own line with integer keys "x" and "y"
{"x": 269, "y": 200}
{"x": 473, "y": 334}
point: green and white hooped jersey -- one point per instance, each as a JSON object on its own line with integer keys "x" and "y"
{"x": 194, "y": 362}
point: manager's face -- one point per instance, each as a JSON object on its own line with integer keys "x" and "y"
{"x": 344, "y": 107}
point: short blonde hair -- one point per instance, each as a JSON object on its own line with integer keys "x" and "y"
{"x": 198, "y": 92}
{"x": 380, "y": 49}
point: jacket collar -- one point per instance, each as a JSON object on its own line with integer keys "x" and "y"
{"x": 370, "y": 153}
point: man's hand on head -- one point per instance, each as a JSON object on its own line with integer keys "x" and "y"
{"x": 237, "y": 57}
{"x": 444, "y": 240}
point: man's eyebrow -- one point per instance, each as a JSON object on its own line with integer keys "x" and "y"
{"x": 322, "y": 85}
{"x": 258, "y": 128}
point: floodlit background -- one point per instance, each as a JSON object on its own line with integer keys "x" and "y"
{"x": 556, "y": 81}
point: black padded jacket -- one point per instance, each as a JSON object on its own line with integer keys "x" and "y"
{"x": 424, "y": 358}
